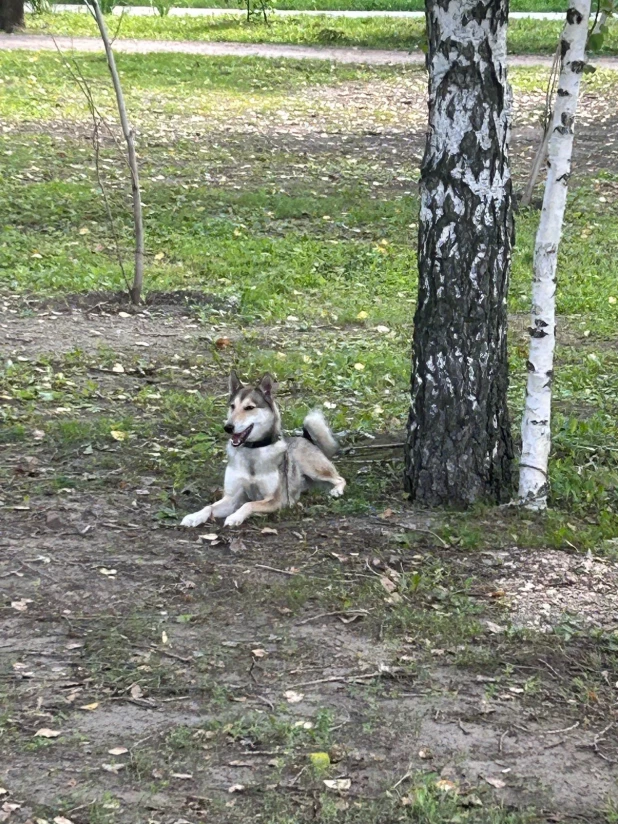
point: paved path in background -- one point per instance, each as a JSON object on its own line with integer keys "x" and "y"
{"x": 148, "y": 11}
{"x": 376, "y": 57}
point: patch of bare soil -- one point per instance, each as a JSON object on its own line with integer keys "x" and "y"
{"x": 89, "y": 321}
{"x": 546, "y": 588}
{"x": 118, "y": 633}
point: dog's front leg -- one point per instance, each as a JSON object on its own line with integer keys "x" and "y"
{"x": 197, "y": 518}
{"x": 220, "y": 509}
{"x": 254, "y": 508}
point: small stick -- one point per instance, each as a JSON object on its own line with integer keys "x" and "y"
{"x": 274, "y": 569}
{"x": 502, "y": 737}
{"x": 401, "y": 780}
{"x": 331, "y": 678}
{"x": 372, "y": 446}
{"x": 549, "y": 667}
{"x": 410, "y": 529}
{"x": 336, "y": 612}
{"x": 566, "y": 729}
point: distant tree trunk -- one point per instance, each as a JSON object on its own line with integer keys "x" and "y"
{"x": 11, "y": 15}
{"x": 459, "y": 446}
{"x": 536, "y": 423}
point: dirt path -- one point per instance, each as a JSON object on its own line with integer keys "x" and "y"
{"x": 37, "y": 42}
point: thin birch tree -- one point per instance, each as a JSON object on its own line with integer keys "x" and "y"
{"x": 536, "y": 424}
{"x": 138, "y": 225}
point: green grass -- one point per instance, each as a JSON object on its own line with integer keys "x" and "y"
{"x": 312, "y": 241}
{"x": 365, "y": 5}
{"x": 524, "y": 36}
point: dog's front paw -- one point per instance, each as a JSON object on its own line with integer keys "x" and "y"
{"x": 197, "y": 518}
{"x": 336, "y": 492}
{"x": 234, "y": 519}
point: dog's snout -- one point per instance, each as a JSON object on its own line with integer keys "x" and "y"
{"x": 229, "y": 428}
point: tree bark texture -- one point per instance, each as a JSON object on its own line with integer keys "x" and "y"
{"x": 459, "y": 447}
{"x": 536, "y": 423}
{"x": 11, "y": 15}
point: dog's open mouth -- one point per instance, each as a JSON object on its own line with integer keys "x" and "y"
{"x": 238, "y": 438}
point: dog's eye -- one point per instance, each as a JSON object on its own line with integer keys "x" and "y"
{"x": 249, "y": 408}
{"x": 232, "y": 406}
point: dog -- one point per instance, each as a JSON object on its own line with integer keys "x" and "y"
{"x": 265, "y": 471}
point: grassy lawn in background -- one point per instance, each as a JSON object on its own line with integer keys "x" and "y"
{"x": 226, "y": 678}
{"x": 524, "y": 36}
{"x": 367, "y": 5}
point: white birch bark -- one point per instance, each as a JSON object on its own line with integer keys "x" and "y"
{"x": 458, "y": 446}
{"x": 138, "y": 225}
{"x": 536, "y": 424}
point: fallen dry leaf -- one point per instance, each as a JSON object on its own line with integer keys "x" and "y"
{"x": 388, "y": 585}
{"x": 338, "y": 784}
{"x": 118, "y": 367}
{"x": 236, "y": 788}
{"x": 498, "y": 783}
{"x": 293, "y": 697}
{"x": 446, "y": 786}
{"x": 258, "y": 653}
{"x": 44, "y": 732}
{"x": 113, "y": 768}
{"x": 109, "y": 572}
{"x": 268, "y": 530}
{"x": 21, "y": 605}
{"x": 60, "y": 819}
{"x": 183, "y": 776}
{"x": 223, "y": 342}
{"x": 118, "y": 435}
{"x": 118, "y": 751}
{"x": 319, "y": 760}
{"x": 136, "y": 691}
{"x": 496, "y": 629}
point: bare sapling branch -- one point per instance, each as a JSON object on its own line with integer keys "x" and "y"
{"x": 138, "y": 276}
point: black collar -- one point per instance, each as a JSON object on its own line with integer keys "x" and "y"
{"x": 268, "y": 441}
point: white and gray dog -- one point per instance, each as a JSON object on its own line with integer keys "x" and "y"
{"x": 265, "y": 471}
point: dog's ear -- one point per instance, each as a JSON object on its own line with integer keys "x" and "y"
{"x": 235, "y": 384}
{"x": 268, "y": 385}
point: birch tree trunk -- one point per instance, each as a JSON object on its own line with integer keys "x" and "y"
{"x": 138, "y": 276}
{"x": 458, "y": 446}
{"x": 536, "y": 424}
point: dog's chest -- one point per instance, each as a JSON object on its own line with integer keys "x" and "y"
{"x": 257, "y": 471}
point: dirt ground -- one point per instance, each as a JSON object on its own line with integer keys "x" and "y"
{"x": 153, "y": 674}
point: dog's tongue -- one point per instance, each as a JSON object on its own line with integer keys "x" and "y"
{"x": 237, "y": 438}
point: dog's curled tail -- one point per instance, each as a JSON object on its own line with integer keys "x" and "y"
{"x": 316, "y": 430}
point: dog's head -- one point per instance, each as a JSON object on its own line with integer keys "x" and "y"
{"x": 252, "y": 414}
